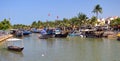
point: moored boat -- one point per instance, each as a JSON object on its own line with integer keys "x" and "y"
{"x": 26, "y": 32}
{"x": 61, "y": 35}
{"x": 34, "y": 30}
{"x": 19, "y": 33}
{"x": 13, "y": 47}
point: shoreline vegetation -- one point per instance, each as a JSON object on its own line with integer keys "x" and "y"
{"x": 75, "y": 23}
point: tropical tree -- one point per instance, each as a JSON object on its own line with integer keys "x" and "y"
{"x": 19, "y": 26}
{"x": 1, "y": 25}
{"x": 5, "y": 24}
{"x": 34, "y": 24}
{"x": 66, "y": 22}
{"x": 82, "y": 18}
{"x": 115, "y": 22}
{"x": 51, "y": 24}
{"x": 93, "y": 21}
{"x": 39, "y": 24}
{"x": 97, "y": 9}
{"x": 74, "y": 21}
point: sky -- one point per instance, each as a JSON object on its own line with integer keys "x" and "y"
{"x": 27, "y": 11}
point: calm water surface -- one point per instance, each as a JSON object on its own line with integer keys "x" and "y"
{"x": 64, "y": 49}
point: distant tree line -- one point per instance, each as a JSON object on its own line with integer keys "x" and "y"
{"x": 80, "y": 20}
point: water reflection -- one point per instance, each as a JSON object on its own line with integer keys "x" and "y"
{"x": 6, "y": 55}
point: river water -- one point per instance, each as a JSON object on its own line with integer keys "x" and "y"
{"x": 64, "y": 49}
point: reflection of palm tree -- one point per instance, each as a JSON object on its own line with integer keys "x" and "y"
{"x": 97, "y": 9}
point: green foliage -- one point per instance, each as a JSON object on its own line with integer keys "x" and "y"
{"x": 82, "y": 19}
{"x": 115, "y": 22}
{"x": 97, "y": 9}
{"x": 5, "y": 24}
{"x": 34, "y": 24}
{"x": 19, "y": 26}
{"x": 93, "y": 21}
{"x": 74, "y": 21}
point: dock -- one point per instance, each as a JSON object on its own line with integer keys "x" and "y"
{"x": 4, "y": 37}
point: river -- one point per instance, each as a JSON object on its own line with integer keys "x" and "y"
{"x": 64, "y": 49}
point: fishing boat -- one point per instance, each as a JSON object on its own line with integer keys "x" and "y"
{"x": 25, "y": 32}
{"x": 34, "y": 30}
{"x": 19, "y": 33}
{"x": 43, "y": 34}
{"x": 61, "y": 35}
{"x": 15, "y": 48}
{"x": 12, "y": 46}
{"x": 75, "y": 33}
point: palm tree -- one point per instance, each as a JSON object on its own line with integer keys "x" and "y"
{"x": 93, "y": 21}
{"x": 82, "y": 18}
{"x": 97, "y": 9}
{"x": 74, "y": 21}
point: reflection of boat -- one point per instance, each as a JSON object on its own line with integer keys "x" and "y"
{"x": 46, "y": 36}
{"x": 14, "y": 48}
{"x": 41, "y": 37}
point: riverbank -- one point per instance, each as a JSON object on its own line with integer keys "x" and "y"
{"x": 4, "y": 37}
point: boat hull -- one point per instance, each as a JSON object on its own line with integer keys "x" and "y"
{"x": 15, "y": 48}
{"x": 61, "y": 35}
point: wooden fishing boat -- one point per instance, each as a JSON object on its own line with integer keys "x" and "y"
{"x": 35, "y": 30}
{"x": 26, "y": 32}
{"x": 61, "y": 35}
{"x": 13, "y": 47}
